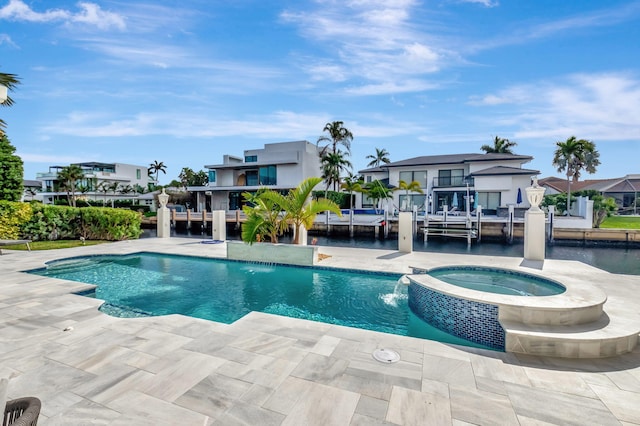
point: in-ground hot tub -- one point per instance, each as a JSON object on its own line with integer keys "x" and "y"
{"x": 464, "y": 308}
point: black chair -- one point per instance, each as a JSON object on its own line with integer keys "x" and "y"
{"x": 21, "y": 412}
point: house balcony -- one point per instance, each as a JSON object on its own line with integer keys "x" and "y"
{"x": 453, "y": 181}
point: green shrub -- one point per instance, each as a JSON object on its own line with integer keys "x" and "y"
{"x": 99, "y": 223}
{"x": 13, "y": 216}
{"x": 92, "y": 223}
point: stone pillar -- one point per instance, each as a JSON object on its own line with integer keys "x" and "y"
{"x": 534, "y": 235}
{"x": 219, "y": 225}
{"x": 405, "y": 232}
{"x": 163, "y": 225}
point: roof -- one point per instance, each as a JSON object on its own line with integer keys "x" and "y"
{"x": 505, "y": 171}
{"x": 31, "y": 183}
{"x": 429, "y": 160}
{"x": 623, "y": 184}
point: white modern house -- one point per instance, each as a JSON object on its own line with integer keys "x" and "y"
{"x": 493, "y": 181}
{"x": 279, "y": 166}
{"x": 102, "y": 181}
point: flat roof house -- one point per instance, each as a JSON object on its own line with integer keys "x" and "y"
{"x": 494, "y": 180}
{"x": 122, "y": 178}
{"x": 278, "y": 166}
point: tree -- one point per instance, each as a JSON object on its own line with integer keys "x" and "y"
{"x": 500, "y": 146}
{"x": 352, "y": 184}
{"x": 378, "y": 192}
{"x": 69, "y": 178}
{"x": 264, "y": 216}
{"x": 301, "y": 210}
{"x": 155, "y": 168}
{"x": 190, "y": 178}
{"x": 381, "y": 156}
{"x": 413, "y": 186}
{"x": 338, "y": 135}
{"x": 573, "y": 156}
{"x": 272, "y": 212}
{"x": 11, "y": 171}
{"x": 333, "y": 164}
{"x": 186, "y": 176}
{"x": 10, "y": 81}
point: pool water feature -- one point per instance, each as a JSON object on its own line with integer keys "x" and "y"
{"x": 220, "y": 290}
{"x": 498, "y": 281}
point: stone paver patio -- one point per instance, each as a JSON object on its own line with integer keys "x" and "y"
{"x": 271, "y": 370}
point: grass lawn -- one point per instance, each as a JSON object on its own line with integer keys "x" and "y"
{"x": 52, "y": 245}
{"x": 621, "y": 222}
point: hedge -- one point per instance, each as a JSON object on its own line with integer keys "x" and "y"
{"x": 13, "y": 216}
{"x": 37, "y": 221}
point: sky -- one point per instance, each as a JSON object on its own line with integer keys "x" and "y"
{"x": 187, "y": 81}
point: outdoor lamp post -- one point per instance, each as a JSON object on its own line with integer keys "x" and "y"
{"x": 4, "y": 93}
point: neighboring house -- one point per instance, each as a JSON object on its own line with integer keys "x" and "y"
{"x": 279, "y": 166}
{"x": 31, "y": 190}
{"x": 494, "y": 181}
{"x": 97, "y": 176}
{"x": 624, "y": 189}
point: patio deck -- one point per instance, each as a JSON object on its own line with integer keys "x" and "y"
{"x": 266, "y": 369}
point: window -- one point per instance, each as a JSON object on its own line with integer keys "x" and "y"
{"x": 489, "y": 200}
{"x": 252, "y": 178}
{"x": 138, "y": 174}
{"x": 268, "y": 175}
{"x": 408, "y": 201}
{"x": 212, "y": 176}
{"x": 366, "y": 201}
{"x": 368, "y": 178}
{"x": 250, "y": 158}
{"x": 453, "y": 177}
{"x": 419, "y": 176}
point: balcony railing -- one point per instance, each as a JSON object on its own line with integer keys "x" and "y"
{"x": 452, "y": 181}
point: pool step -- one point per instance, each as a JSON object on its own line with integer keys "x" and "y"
{"x": 608, "y": 336}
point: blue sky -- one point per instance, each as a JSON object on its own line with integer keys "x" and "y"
{"x": 185, "y": 82}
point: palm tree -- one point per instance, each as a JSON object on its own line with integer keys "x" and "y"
{"x": 301, "y": 210}
{"x": 338, "y": 135}
{"x": 413, "y": 186}
{"x": 500, "y": 146}
{"x": 333, "y": 164}
{"x": 573, "y": 156}
{"x": 378, "y": 191}
{"x": 381, "y": 156}
{"x": 351, "y": 184}
{"x": 157, "y": 167}
{"x": 69, "y": 177}
{"x": 266, "y": 218}
{"x": 10, "y": 81}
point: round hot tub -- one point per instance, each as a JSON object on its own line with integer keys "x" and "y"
{"x": 498, "y": 281}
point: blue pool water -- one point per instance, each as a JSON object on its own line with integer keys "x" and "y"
{"x": 224, "y": 291}
{"x": 498, "y": 281}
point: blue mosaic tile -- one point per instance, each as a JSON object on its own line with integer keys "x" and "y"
{"x": 471, "y": 320}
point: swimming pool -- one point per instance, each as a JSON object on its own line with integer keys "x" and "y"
{"x": 220, "y": 290}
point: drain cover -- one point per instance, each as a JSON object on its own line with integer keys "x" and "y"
{"x": 387, "y": 356}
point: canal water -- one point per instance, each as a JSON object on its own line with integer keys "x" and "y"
{"x": 618, "y": 259}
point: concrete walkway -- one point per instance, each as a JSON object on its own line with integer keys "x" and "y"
{"x": 271, "y": 370}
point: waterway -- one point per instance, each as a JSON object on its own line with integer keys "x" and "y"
{"x": 617, "y": 259}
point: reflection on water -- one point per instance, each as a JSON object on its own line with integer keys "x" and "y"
{"x": 616, "y": 259}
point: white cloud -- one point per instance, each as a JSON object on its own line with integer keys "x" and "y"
{"x": 485, "y": 3}
{"x": 373, "y": 45}
{"x": 90, "y": 14}
{"x": 6, "y": 39}
{"x": 593, "y": 106}
{"x": 93, "y": 15}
